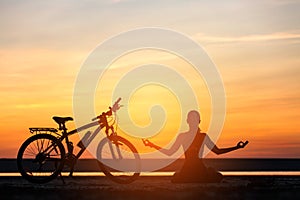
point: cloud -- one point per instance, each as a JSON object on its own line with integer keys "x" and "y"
{"x": 282, "y": 2}
{"x": 118, "y": 1}
{"x": 248, "y": 38}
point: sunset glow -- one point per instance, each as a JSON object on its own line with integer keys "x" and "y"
{"x": 255, "y": 46}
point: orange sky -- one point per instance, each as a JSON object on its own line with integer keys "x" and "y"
{"x": 255, "y": 46}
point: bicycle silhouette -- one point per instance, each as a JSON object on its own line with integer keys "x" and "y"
{"x": 42, "y": 157}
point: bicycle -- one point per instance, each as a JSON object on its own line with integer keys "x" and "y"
{"x": 42, "y": 157}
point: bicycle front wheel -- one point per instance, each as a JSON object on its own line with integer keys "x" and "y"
{"x": 41, "y": 158}
{"x": 118, "y": 159}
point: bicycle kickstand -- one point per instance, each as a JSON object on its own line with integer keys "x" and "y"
{"x": 71, "y": 172}
{"x": 62, "y": 178}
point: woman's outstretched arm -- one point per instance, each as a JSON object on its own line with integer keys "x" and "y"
{"x": 167, "y": 152}
{"x": 239, "y": 145}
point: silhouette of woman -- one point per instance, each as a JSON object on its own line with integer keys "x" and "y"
{"x": 193, "y": 169}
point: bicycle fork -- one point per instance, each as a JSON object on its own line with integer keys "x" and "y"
{"x": 113, "y": 141}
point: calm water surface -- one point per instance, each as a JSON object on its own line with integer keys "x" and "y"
{"x": 225, "y": 173}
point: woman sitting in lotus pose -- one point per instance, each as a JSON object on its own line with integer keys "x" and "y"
{"x": 193, "y": 169}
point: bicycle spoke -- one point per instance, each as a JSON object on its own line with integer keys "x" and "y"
{"x": 42, "y": 144}
{"x": 119, "y": 160}
{"x": 29, "y": 154}
{"x": 40, "y": 158}
{"x": 38, "y": 146}
{"x": 48, "y": 143}
{"x": 31, "y": 150}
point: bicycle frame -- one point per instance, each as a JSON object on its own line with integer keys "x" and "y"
{"x": 82, "y": 128}
{"x": 101, "y": 123}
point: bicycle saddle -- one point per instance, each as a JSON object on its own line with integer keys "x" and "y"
{"x": 62, "y": 120}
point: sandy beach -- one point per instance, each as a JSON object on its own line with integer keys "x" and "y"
{"x": 153, "y": 187}
{"x": 160, "y": 187}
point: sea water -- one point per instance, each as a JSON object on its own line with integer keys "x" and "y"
{"x": 225, "y": 173}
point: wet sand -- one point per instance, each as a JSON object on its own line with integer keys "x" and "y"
{"x": 154, "y": 188}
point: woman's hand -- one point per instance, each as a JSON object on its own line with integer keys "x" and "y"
{"x": 148, "y": 143}
{"x": 242, "y": 144}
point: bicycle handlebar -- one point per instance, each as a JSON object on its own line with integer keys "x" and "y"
{"x": 95, "y": 118}
{"x": 116, "y": 105}
{"x": 118, "y": 101}
{"x": 114, "y": 108}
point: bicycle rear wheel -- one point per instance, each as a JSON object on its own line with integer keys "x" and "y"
{"x": 41, "y": 158}
{"x": 118, "y": 159}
